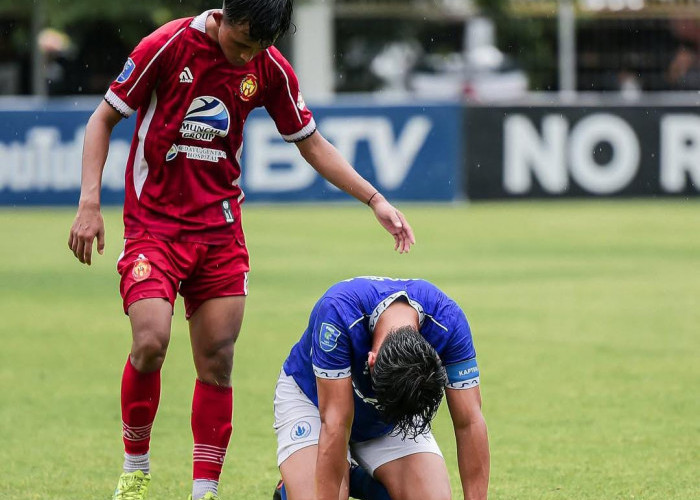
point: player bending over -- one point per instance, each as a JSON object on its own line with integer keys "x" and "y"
{"x": 192, "y": 84}
{"x": 366, "y": 379}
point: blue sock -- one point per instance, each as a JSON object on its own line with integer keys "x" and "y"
{"x": 365, "y": 487}
{"x": 283, "y": 492}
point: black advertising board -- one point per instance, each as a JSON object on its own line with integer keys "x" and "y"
{"x": 560, "y": 151}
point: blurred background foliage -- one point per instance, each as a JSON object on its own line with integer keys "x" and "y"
{"x": 379, "y": 44}
{"x": 63, "y": 14}
{"x": 529, "y": 43}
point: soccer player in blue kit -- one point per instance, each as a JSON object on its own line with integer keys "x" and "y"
{"x": 365, "y": 381}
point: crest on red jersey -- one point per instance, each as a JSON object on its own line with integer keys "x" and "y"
{"x": 249, "y": 86}
{"x": 142, "y": 268}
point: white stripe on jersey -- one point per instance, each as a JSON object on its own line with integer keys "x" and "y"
{"x": 122, "y": 107}
{"x": 153, "y": 60}
{"x": 302, "y": 134}
{"x": 435, "y": 321}
{"x": 140, "y": 171}
{"x": 289, "y": 90}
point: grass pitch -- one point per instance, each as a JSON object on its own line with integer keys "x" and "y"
{"x": 585, "y": 317}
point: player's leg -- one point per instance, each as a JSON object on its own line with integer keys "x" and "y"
{"x": 140, "y": 393}
{"x": 298, "y": 426}
{"x": 148, "y": 293}
{"x": 421, "y": 476}
{"x": 409, "y": 469}
{"x": 214, "y": 328}
{"x": 298, "y": 472}
{"x": 214, "y": 304}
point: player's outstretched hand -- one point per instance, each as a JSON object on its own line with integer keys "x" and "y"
{"x": 394, "y": 222}
{"x": 87, "y": 225}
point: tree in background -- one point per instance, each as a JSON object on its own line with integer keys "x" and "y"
{"x": 531, "y": 41}
{"x": 100, "y": 37}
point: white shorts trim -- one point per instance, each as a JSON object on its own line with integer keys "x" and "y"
{"x": 298, "y": 425}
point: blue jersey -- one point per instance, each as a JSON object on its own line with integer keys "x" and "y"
{"x": 338, "y": 339}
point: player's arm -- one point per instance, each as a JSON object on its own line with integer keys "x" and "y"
{"x": 88, "y": 222}
{"x": 336, "y": 406}
{"x": 472, "y": 441}
{"x": 328, "y": 162}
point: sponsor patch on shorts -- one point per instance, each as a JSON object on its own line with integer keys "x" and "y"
{"x": 300, "y": 430}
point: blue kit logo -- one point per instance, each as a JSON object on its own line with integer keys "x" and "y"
{"x": 300, "y": 430}
{"x": 129, "y": 67}
{"x": 328, "y": 337}
{"x": 206, "y": 118}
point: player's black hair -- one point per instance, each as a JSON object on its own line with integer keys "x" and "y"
{"x": 409, "y": 381}
{"x": 268, "y": 19}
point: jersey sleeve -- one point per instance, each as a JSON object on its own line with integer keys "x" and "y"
{"x": 459, "y": 355}
{"x": 330, "y": 343}
{"x": 284, "y": 101}
{"x": 135, "y": 84}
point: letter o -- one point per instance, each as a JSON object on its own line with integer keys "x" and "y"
{"x": 622, "y": 167}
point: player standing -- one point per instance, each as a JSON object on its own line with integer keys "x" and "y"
{"x": 193, "y": 82}
{"x": 369, "y": 373}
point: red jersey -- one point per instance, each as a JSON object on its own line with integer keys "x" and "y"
{"x": 183, "y": 172}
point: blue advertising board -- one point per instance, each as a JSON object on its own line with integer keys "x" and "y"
{"x": 408, "y": 152}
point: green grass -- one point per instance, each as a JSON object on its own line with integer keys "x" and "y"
{"x": 585, "y": 317}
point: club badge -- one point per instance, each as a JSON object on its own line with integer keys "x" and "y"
{"x": 249, "y": 86}
{"x": 141, "y": 269}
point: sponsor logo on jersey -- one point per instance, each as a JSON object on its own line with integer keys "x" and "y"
{"x": 195, "y": 153}
{"x": 300, "y": 102}
{"x": 328, "y": 337}
{"x": 129, "y": 67}
{"x": 249, "y": 86}
{"x": 172, "y": 153}
{"x": 300, "y": 430}
{"x": 228, "y": 213}
{"x": 206, "y": 118}
{"x": 142, "y": 268}
{"x": 186, "y": 76}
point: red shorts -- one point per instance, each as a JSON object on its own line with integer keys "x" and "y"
{"x": 152, "y": 268}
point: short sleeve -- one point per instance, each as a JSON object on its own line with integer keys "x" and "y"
{"x": 284, "y": 102}
{"x": 459, "y": 346}
{"x": 330, "y": 343}
{"x": 135, "y": 84}
{"x": 459, "y": 356}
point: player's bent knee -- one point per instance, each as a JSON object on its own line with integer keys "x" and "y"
{"x": 148, "y": 352}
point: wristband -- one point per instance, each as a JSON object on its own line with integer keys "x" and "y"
{"x": 370, "y": 198}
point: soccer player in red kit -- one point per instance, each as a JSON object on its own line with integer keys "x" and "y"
{"x": 192, "y": 83}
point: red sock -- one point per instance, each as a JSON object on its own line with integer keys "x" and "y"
{"x": 140, "y": 398}
{"x": 212, "y": 411}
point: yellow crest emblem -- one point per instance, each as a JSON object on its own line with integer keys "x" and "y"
{"x": 249, "y": 86}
